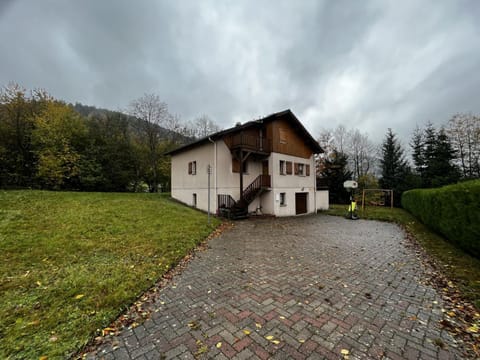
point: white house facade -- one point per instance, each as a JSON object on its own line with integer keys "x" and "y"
{"x": 276, "y": 154}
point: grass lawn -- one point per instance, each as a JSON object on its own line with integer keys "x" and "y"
{"x": 455, "y": 263}
{"x": 71, "y": 262}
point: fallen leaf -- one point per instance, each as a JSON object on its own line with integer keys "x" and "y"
{"x": 194, "y": 325}
{"x": 246, "y": 331}
{"x": 39, "y": 283}
{"x": 43, "y": 357}
{"x": 276, "y": 342}
{"x": 282, "y": 317}
{"x": 53, "y": 338}
{"x": 34, "y": 322}
{"x": 301, "y": 341}
{"x": 269, "y": 337}
{"x": 107, "y": 331}
{"x": 473, "y": 329}
{"x": 259, "y": 326}
{"x": 344, "y": 352}
{"x": 79, "y": 296}
{"x": 451, "y": 314}
{"x": 219, "y": 345}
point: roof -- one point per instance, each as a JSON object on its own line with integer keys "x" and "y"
{"x": 296, "y": 124}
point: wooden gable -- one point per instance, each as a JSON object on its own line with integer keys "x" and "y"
{"x": 286, "y": 139}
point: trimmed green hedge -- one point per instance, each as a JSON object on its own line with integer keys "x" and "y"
{"x": 453, "y": 211}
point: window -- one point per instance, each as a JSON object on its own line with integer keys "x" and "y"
{"x": 194, "y": 200}
{"x": 302, "y": 169}
{"x": 282, "y": 135}
{"x": 192, "y": 168}
{"x": 283, "y": 199}
{"x": 299, "y": 169}
{"x": 283, "y": 167}
{"x": 289, "y": 168}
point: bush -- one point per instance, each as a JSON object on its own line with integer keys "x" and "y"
{"x": 453, "y": 211}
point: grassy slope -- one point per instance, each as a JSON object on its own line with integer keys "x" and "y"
{"x": 455, "y": 263}
{"x": 57, "y": 246}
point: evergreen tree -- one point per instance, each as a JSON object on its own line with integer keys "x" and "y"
{"x": 441, "y": 168}
{"x": 394, "y": 166}
{"x": 417, "y": 151}
{"x": 334, "y": 173}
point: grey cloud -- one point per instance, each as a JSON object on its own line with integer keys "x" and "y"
{"x": 370, "y": 65}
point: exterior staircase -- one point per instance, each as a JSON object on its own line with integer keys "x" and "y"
{"x": 235, "y": 210}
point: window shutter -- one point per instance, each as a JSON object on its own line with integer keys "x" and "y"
{"x": 289, "y": 168}
{"x": 296, "y": 169}
{"x": 190, "y": 168}
{"x": 235, "y": 166}
{"x": 307, "y": 170}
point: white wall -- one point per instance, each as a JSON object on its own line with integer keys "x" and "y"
{"x": 322, "y": 200}
{"x": 185, "y": 185}
{"x": 224, "y": 181}
{"x": 291, "y": 184}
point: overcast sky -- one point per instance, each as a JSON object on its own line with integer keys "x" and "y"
{"x": 364, "y": 64}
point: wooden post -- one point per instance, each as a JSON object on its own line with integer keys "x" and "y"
{"x": 241, "y": 175}
{"x": 391, "y": 199}
{"x": 363, "y": 200}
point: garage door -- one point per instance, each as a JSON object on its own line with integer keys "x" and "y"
{"x": 301, "y": 203}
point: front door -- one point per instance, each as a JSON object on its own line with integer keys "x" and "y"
{"x": 301, "y": 203}
{"x": 265, "y": 167}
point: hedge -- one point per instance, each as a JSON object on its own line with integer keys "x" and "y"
{"x": 453, "y": 211}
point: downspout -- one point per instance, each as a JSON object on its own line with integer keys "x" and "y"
{"x": 214, "y": 170}
{"x": 314, "y": 172}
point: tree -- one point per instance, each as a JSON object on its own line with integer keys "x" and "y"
{"x": 57, "y": 137}
{"x": 152, "y": 114}
{"x": 441, "y": 169}
{"x": 464, "y": 133}
{"x": 417, "y": 144}
{"x": 333, "y": 173}
{"x": 361, "y": 153}
{"x": 394, "y": 166}
{"x": 110, "y": 162}
{"x": 17, "y": 112}
{"x": 205, "y": 126}
{"x": 433, "y": 156}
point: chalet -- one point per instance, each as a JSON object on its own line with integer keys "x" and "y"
{"x": 265, "y": 166}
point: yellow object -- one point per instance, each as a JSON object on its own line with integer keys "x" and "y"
{"x": 353, "y": 206}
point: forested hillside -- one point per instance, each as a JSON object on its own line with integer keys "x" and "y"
{"x": 49, "y": 144}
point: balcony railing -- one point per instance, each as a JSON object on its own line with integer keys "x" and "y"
{"x": 249, "y": 142}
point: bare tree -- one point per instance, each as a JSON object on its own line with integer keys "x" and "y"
{"x": 152, "y": 115}
{"x": 464, "y": 133}
{"x": 362, "y": 153}
{"x": 204, "y": 126}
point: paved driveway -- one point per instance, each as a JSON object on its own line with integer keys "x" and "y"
{"x": 296, "y": 288}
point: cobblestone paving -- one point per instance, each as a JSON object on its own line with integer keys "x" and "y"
{"x": 303, "y": 288}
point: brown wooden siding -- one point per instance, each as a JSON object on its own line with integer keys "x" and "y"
{"x": 285, "y": 139}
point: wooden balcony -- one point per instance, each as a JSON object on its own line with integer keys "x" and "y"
{"x": 251, "y": 143}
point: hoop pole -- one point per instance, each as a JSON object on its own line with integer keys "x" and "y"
{"x": 391, "y": 199}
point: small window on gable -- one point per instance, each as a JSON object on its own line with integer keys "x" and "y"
{"x": 192, "y": 168}
{"x": 289, "y": 167}
{"x": 194, "y": 200}
{"x": 282, "y": 135}
{"x": 283, "y": 199}
{"x": 283, "y": 167}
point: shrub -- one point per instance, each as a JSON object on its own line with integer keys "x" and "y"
{"x": 453, "y": 211}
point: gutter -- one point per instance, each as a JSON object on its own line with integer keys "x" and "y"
{"x": 214, "y": 170}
